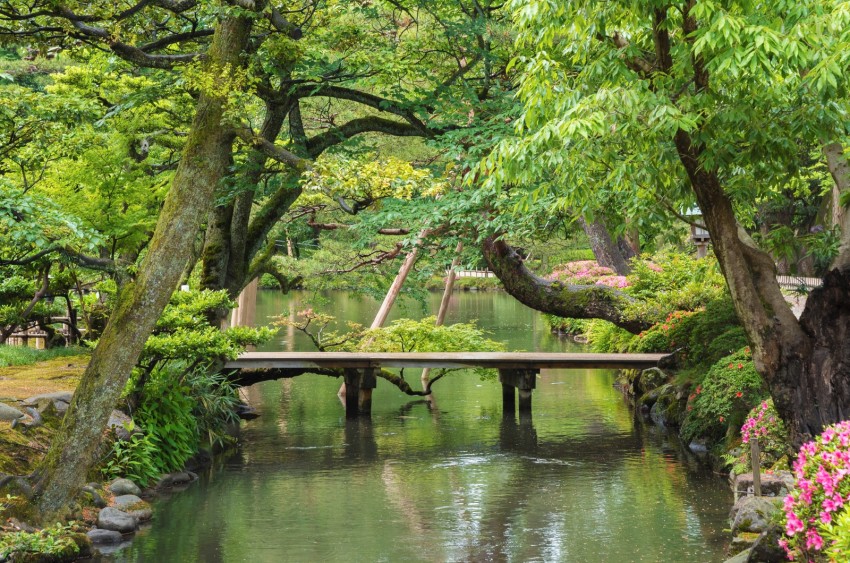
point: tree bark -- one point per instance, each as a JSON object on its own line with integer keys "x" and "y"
{"x": 839, "y": 167}
{"x": 203, "y": 163}
{"x": 606, "y": 251}
{"x": 575, "y": 301}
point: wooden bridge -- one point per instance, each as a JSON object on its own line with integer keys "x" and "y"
{"x": 517, "y": 370}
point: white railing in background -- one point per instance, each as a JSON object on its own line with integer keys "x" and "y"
{"x": 795, "y": 282}
{"x": 473, "y": 274}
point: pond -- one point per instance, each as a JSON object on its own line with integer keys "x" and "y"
{"x": 454, "y": 481}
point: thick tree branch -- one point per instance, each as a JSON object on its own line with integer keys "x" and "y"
{"x": 371, "y": 100}
{"x": 271, "y": 150}
{"x": 320, "y": 143}
{"x": 574, "y": 301}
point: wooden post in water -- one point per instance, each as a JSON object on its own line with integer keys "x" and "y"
{"x": 352, "y": 378}
{"x": 524, "y": 381}
{"x": 754, "y": 457}
{"x": 367, "y": 383}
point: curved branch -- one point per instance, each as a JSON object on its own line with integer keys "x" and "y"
{"x": 371, "y": 100}
{"x": 318, "y": 144}
{"x": 574, "y": 301}
{"x": 271, "y": 150}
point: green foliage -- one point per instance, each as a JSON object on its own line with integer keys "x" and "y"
{"x": 24, "y": 355}
{"x": 133, "y": 459}
{"x": 836, "y": 536}
{"x": 52, "y": 541}
{"x": 180, "y": 402}
{"x": 727, "y": 393}
{"x": 672, "y": 281}
{"x": 608, "y": 337}
{"x": 762, "y": 423}
{"x": 567, "y": 325}
{"x": 407, "y": 335}
{"x": 183, "y": 332}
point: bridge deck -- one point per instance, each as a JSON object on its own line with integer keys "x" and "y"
{"x": 497, "y": 360}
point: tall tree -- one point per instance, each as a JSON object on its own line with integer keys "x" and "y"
{"x": 647, "y": 97}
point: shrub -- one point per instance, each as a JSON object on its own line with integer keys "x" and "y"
{"x": 607, "y": 337}
{"x": 815, "y": 512}
{"x": 566, "y": 325}
{"x": 669, "y": 282}
{"x": 727, "y": 393}
{"x": 47, "y": 544}
{"x": 179, "y": 399}
{"x": 763, "y": 423}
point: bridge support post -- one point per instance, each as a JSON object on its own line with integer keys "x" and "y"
{"x": 352, "y": 378}
{"x": 524, "y": 381}
{"x": 367, "y": 383}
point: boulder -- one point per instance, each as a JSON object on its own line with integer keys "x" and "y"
{"x": 122, "y": 425}
{"x": 99, "y": 536}
{"x": 649, "y": 398}
{"x": 772, "y": 484}
{"x": 9, "y": 413}
{"x": 123, "y": 502}
{"x": 766, "y": 548}
{"x": 41, "y": 400}
{"x": 134, "y": 506}
{"x": 742, "y": 557}
{"x": 176, "y": 479}
{"x": 742, "y": 542}
{"x": 753, "y": 514}
{"x": 649, "y": 379}
{"x": 124, "y": 487}
{"x": 94, "y": 494}
{"x": 667, "y": 409}
{"x": 113, "y": 519}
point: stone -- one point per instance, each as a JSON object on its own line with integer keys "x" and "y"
{"x": 742, "y": 542}
{"x": 650, "y": 379}
{"x": 742, "y": 557}
{"x": 122, "y": 502}
{"x": 753, "y": 514}
{"x": 122, "y": 486}
{"x": 134, "y": 506}
{"x": 9, "y": 413}
{"x": 100, "y": 536}
{"x": 766, "y": 548}
{"x": 772, "y": 485}
{"x": 113, "y": 519}
{"x": 36, "y": 400}
{"x": 96, "y": 498}
{"x": 176, "y": 479}
{"x": 698, "y": 447}
{"x": 121, "y": 424}
{"x": 142, "y": 514}
{"x": 648, "y": 399}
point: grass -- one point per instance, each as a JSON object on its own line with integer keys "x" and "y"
{"x": 24, "y": 355}
{"x": 25, "y": 372}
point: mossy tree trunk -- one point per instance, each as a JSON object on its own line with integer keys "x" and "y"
{"x": 204, "y": 160}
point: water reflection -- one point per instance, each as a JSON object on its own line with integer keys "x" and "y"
{"x": 455, "y": 481}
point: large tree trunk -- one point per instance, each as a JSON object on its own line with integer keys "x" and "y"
{"x": 608, "y": 253}
{"x": 231, "y": 245}
{"x": 204, "y": 160}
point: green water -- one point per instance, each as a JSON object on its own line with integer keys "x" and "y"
{"x": 457, "y": 481}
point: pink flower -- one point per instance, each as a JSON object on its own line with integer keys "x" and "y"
{"x": 793, "y": 524}
{"x": 813, "y": 540}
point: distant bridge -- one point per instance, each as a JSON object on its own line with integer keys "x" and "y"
{"x": 517, "y": 370}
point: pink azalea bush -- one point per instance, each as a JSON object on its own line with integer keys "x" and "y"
{"x": 762, "y": 424}
{"x": 587, "y": 272}
{"x": 818, "y": 500}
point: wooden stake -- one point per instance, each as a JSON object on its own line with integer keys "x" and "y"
{"x": 754, "y": 457}
{"x": 444, "y": 303}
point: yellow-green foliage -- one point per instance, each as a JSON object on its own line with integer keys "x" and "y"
{"x": 367, "y": 177}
